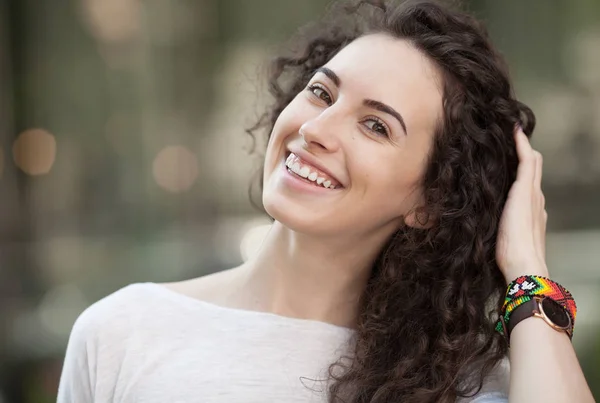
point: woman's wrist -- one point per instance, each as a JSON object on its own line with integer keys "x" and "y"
{"x": 532, "y": 269}
{"x": 535, "y": 295}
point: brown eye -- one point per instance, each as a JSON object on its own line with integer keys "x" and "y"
{"x": 321, "y": 93}
{"x": 377, "y": 126}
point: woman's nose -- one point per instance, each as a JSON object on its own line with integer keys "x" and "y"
{"x": 322, "y": 132}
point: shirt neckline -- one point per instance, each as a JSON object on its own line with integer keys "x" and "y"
{"x": 247, "y": 312}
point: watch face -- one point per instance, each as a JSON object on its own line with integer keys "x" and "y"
{"x": 556, "y": 313}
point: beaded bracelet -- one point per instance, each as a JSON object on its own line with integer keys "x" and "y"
{"x": 525, "y": 287}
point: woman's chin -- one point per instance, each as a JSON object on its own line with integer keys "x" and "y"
{"x": 299, "y": 218}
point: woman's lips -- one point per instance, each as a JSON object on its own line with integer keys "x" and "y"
{"x": 309, "y": 172}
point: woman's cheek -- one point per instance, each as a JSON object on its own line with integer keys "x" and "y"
{"x": 292, "y": 118}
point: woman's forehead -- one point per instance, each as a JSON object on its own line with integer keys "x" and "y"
{"x": 380, "y": 58}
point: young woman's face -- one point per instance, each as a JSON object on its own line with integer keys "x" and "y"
{"x": 347, "y": 154}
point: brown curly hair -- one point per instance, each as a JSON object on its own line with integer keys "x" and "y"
{"x": 426, "y": 317}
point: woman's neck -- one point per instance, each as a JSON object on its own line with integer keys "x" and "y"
{"x": 300, "y": 276}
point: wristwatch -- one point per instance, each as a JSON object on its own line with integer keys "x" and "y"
{"x": 553, "y": 313}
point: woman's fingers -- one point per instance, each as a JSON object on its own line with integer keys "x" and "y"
{"x": 526, "y": 172}
{"x": 530, "y": 173}
{"x": 524, "y": 149}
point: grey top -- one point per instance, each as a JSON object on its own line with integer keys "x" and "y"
{"x": 146, "y": 343}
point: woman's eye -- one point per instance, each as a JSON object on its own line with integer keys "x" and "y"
{"x": 377, "y": 126}
{"x": 321, "y": 93}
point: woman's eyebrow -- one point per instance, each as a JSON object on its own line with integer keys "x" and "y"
{"x": 370, "y": 103}
{"x": 329, "y": 73}
{"x": 386, "y": 109}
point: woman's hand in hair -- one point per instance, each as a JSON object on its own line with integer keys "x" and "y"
{"x": 520, "y": 247}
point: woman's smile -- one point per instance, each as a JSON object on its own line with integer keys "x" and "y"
{"x": 304, "y": 169}
{"x": 305, "y": 178}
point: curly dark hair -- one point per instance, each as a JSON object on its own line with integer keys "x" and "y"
{"x": 426, "y": 317}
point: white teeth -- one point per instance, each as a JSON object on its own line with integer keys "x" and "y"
{"x": 304, "y": 172}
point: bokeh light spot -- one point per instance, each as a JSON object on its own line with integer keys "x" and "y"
{"x": 34, "y": 151}
{"x": 113, "y": 21}
{"x": 175, "y": 169}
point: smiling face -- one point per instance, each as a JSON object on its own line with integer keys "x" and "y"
{"x": 364, "y": 126}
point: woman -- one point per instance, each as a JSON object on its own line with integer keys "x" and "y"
{"x": 405, "y": 199}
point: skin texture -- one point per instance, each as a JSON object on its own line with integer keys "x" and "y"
{"x": 381, "y": 173}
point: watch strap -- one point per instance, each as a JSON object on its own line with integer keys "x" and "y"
{"x": 527, "y": 295}
{"x": 523, "y": 311}
{"x": 534, "y": 307}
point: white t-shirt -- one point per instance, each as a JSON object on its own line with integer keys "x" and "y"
{"x": 148, "y": 344}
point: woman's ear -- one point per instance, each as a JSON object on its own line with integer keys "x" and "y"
{"x": 419, "y": 218}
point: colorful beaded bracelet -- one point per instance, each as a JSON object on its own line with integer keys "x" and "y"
{"x": 525, "y": 287}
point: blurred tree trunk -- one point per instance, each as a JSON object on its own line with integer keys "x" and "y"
{"x": 18, "y": 270}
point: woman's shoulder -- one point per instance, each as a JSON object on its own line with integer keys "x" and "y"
{"x": 115, "y": 311}
{"x": 136, "y": 306}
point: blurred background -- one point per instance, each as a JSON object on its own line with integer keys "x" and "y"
{"x": 123, "y": 156}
